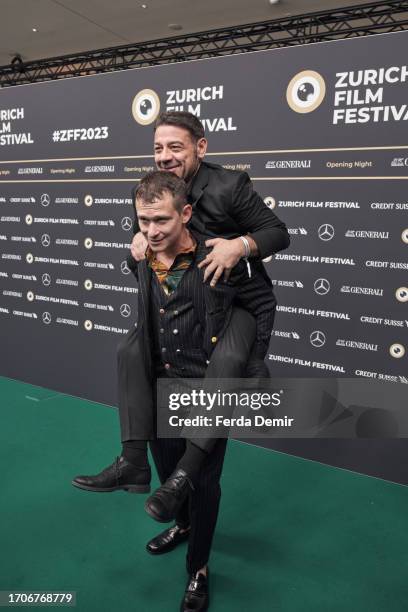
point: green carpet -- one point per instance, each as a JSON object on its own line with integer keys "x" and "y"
{"x": 292, "y": 535}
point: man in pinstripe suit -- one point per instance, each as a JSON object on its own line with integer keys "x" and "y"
{"x": 180, "y": 321}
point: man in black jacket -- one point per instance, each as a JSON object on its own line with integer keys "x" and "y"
{"x": 181, "y": 319}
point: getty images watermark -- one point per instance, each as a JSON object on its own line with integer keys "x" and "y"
{"x": 285, "y": 408}
{"x": 224, "y": 404}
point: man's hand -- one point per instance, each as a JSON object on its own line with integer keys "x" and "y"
{"x": 138, "y": 246}
{"x": 224, "y": 256}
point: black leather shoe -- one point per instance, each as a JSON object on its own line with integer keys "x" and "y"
{"x": 167, "y": 540}
{"x": 120, "y": 475}
{"x": 196, "y": 596}
{"x": 165, "y": 502}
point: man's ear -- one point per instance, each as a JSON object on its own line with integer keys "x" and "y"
{"x": 202, "y": 147}
{"x": 187, "y": 213}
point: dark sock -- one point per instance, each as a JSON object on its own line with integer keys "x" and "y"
{"x": 192, "y": 460}
{"x": 135, "y": 451}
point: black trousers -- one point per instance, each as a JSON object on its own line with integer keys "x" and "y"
{"x": 200, "y": 511}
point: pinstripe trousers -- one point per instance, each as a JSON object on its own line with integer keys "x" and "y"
{"x": 200, "y": 512}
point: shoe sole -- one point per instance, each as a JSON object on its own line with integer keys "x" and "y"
{"x": 129, "y": 488}
{"x": 155, "y": 516}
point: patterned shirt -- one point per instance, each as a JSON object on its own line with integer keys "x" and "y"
{"x": 169, "y": 278}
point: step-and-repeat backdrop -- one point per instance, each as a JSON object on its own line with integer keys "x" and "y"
{"x": 321, "y": 130}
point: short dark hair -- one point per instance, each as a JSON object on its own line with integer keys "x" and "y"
{"x": 184, "y": 120}
{"x": 153, "y": 185}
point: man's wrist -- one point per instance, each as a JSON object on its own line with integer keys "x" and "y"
{"x": 254, "y": 251}
{"x": 246, "y": 245}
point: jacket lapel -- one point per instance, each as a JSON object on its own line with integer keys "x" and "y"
{"x": 199, "y": 183}
{"x": 144, "y": 273}
{"x": 145, "y": 279}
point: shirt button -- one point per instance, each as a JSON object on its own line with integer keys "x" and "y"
{"x": 162, "y": 311}
{"x": 178, "y": 350}
{"x": 175, "y": 331}
{"x": 167, "y": 366}
{"x": 161, "y": 330}
{"x": 214, "y": 339}
{"x": 164, "y": 349}
{"x": 176, "y": 312}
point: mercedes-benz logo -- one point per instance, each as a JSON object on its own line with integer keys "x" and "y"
{"x": 45, "y": 199}
{"x": 326, "y": 232}
{"x": 45, "y": 240}
{"x": 124, "y": 268}
{"x": 126, "y": 223}
{"x": 125, "y": 310}
{"x": 321, "y": 286}
{"x": 317, "y": 339}
{"x": 46, "y": 317}
{"x": 46, "y": 279}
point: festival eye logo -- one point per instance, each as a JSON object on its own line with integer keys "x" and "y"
{"x": 402, "y": 294}
{"x": 146, "y": 106}
{"x": 306, "y": 91}
{"x": 397, "y": 350}
{"x": 270, "y": 202}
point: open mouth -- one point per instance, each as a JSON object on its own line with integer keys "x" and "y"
{"x": 170, "y": 168}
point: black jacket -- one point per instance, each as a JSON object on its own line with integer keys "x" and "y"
{"x": 226, "y": 205}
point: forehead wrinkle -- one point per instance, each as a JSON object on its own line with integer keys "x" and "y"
{"x": 148, "y": 204}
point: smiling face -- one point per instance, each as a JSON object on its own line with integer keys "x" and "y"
{"x": 162, "y": 225}
{"x": 177, "y": 151}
